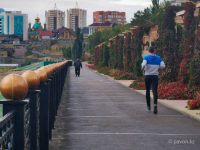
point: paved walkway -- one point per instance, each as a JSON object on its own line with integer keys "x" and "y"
{"x": 178, "y": 105}
{"x": 97, "y": 113}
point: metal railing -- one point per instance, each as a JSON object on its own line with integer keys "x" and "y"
{"x": 7, "y": 130}
{"x": 27, "y": 124}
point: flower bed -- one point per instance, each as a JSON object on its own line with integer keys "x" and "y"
{"x": 193, "y": 104}
{"x": 89, "y": 65}
{"x": 138, "y": 84}
{"x": 176, "y": 91}
{"x": 115, "y": 73}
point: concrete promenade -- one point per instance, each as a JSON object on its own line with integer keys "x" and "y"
{"x": 98, "y": 113}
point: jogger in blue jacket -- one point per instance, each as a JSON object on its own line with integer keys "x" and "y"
{"x": 152, "y": 63}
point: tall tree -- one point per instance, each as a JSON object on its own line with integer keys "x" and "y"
{"x": 106, "y": 55}
{"x": 155, "y": 5}
{"x": 188, "y": 42}
{"x": 167, "y": 45}
{"x": 78, "y": 44}
{"x": 66, "y": 52}
{"x": 141, "y": 17}
{"x": 158, "y": 14}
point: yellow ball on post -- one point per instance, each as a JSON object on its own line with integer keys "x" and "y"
{"x": 51, "y": 70}
{"x": 47, "y": 70}
{"x": 42, "y": 74}
{"x": 32, "y": 78}
{"x": 14, "y": 87}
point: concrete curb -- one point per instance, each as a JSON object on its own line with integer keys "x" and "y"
{"x": 183, "y": 112}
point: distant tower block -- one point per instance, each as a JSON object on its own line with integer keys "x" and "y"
{"x": 76, "y": 17}
{"x": 54, "y": 18}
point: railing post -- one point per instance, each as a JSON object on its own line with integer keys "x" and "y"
{"x": 33, "y": 96}
{"x": 57, "y": 92}
{"x": 48, "y": 90}
{"x": 51, "y": 105}
{"x": 44, "y": 115}
{"x": 54, "y": 99}
{"x": 59, "y": 81}
{"x": 62, "y": 78}
{"x": 21, "y": 138}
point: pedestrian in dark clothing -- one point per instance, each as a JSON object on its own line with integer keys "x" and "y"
{"x": 152, "y": 63}
{"x": 77, "y": 66}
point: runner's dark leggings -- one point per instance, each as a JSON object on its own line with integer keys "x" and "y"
{"x": 151, "y": 80}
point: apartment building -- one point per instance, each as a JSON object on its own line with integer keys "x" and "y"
{"x": 12, "y": 21}
{"x": 55, "y": 19}
{"x": 111, "y": 16}
{"x": 76, "y": 17}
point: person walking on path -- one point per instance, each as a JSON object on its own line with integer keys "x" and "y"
{"x": 77, "y": 66}
{"x": 152, "y": 63}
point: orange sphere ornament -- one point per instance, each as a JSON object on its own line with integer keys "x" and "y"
{"x": 51, "y": 71}
{"x": 57, "y": 67}
{"x": 54, "y": 66}
{"x": 47, "y": 70}
{"x": 42, "y": 74}
{"x": 32, "y": 78}
{"x": 14, "y": 87}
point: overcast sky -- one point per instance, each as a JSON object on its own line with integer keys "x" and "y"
{"x": 34, "y": 7}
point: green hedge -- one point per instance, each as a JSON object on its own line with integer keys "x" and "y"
{"x": 91, "y": 62}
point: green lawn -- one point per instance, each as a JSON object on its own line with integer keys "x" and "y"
{"x": 35, "y": 68}
{"x": 26, "y": 67}
{"x": 1, "y": 96}
{"x": 1, "y": 111}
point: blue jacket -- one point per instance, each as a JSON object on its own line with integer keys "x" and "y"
{"x": 152, "y": 63}
{"x": 78, "y": 64}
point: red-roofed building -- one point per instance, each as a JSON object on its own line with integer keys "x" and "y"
{"x": 45, "y": 35}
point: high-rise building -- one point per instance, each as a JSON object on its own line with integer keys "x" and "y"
{"x": 76, "y": 17}
{"x": 176, "y": 2}
{"x": 111, "y": 16}
{"x": 12, "y": 21}
{"x": 55, "y": 18}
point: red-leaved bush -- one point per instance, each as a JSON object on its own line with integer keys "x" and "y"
{"x": 193, "y": 104}
{"x": 138, "y": 84}
{"x": 176, "y": 91}
{"x": 115, "y": 73}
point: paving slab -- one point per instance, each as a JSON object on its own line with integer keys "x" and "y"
{"x": 98, "y": 113}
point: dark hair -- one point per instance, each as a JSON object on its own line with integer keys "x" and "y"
{"x": 151, "y": 49}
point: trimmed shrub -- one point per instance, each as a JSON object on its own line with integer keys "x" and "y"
{"x": 138, "y": 84}
{"x": 91, "y": 62}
